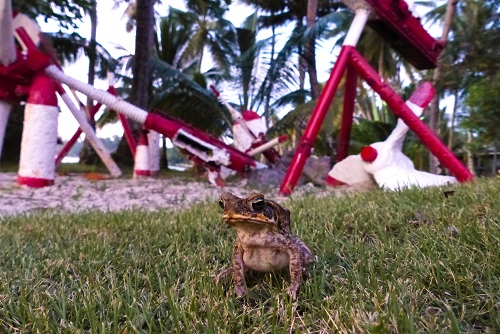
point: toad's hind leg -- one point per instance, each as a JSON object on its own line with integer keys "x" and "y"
{"x": 238, "y": 270}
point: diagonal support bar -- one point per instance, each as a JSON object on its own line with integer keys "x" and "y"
{"x": 325, "y": 99}
{"x": 347, "y": 113}
{"x": 318, "y": 116}
{"x": 400, "y": 109}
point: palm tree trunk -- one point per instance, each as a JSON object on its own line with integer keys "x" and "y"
{"x": 92, "y": 49}
{"x": 141, "y": 81}
{"x": 270, "y": 87}
{"x": 302, "y": 64}
{"x": 434, "y": 107}
{"x": 470, "y": 157}
{"x": 87, "y": 155}
{"x": 310, "y": 51}
{"x": 452, "y": 122}
{"x": 141, "y": 71}
{"x": 381, "y": 61}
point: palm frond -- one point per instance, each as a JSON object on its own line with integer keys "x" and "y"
{"x": 70, "y": 47}
{"x": 181, "y": 97}
{"x": 292, "y": 98}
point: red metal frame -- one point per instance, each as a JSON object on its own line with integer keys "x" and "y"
{"x": 127, "y": 131}
{"x": 351, "y": 82}
{"x": 169, "y": 127}
{"x": 400, "y": 109}
{"x": 350, "y": 58}
{"x": 405, "y": 33}
{"x": 32, "y": 62}
{"x": 311, "y": 133}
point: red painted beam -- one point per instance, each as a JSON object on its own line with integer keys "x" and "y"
{"x": 405, "y": 33}
{"x": 400, "y": 109}
{"x": 169, "y": 127}
{"x": 127, "y": 131}
{"x": 347, "y": 114}
{"x": 318, "y": 116}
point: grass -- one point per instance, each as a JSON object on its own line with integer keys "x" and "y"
{"x": 403, "y": 262}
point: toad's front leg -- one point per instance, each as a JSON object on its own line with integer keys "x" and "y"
{"x": 238, "y": 270}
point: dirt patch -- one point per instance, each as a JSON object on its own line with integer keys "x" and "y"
{"x": 75, "y": 193}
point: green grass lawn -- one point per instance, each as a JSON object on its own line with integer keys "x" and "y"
{"x": 403, "y": 262}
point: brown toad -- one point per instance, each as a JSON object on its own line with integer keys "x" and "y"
{"x": 264, "y": 240}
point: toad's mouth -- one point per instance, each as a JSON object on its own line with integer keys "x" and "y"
{"x": 246, "y": 219}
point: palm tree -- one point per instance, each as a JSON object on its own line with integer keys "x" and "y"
{"x": 310, "y": 49}
{"x": 301, "y": 41}
{"x": 144, "y": 42}
{"x": 87, "y": 154}
{"x": 180, "y": 89}
{"x": 210, "y": 32}
{"x": 140, "y": 14}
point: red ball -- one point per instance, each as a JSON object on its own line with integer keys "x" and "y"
{"x": 368, "y": 154}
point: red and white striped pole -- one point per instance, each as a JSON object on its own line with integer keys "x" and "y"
{"x": 38, "y": 145}
{"x": 141, "y": 159}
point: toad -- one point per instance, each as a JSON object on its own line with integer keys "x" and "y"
{"x": 264, "y": 242}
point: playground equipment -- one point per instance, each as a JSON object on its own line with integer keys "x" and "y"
{"x": 141, "y": 156}
{"x": 385, "y": 161}
{"x": 21, "y": 76}
{"x": 206, "y": 150}
{"x": 127, "y": 131}
{"x": 404, "y": 32}
{"x": 153, "y": 158}
{"x": 31, "y": 66}
{"x": 249, "y": 130}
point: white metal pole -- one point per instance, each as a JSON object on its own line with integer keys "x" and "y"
{"x": 268, "y": 145}
{"x": 115, "y": 103}
{"x": 357, "y": 26}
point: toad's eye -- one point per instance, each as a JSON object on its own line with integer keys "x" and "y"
{"x": 221, "y": 203}
{"x": 258, "y": 204}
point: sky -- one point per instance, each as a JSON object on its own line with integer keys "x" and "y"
{"x": 111, "y": 33}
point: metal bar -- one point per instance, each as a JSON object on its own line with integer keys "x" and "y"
{"x": 311, "y": 133}
{"x": 325, "y": 99}
{"x": 400, "y": 109}
{"x": 347, "y": 114}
